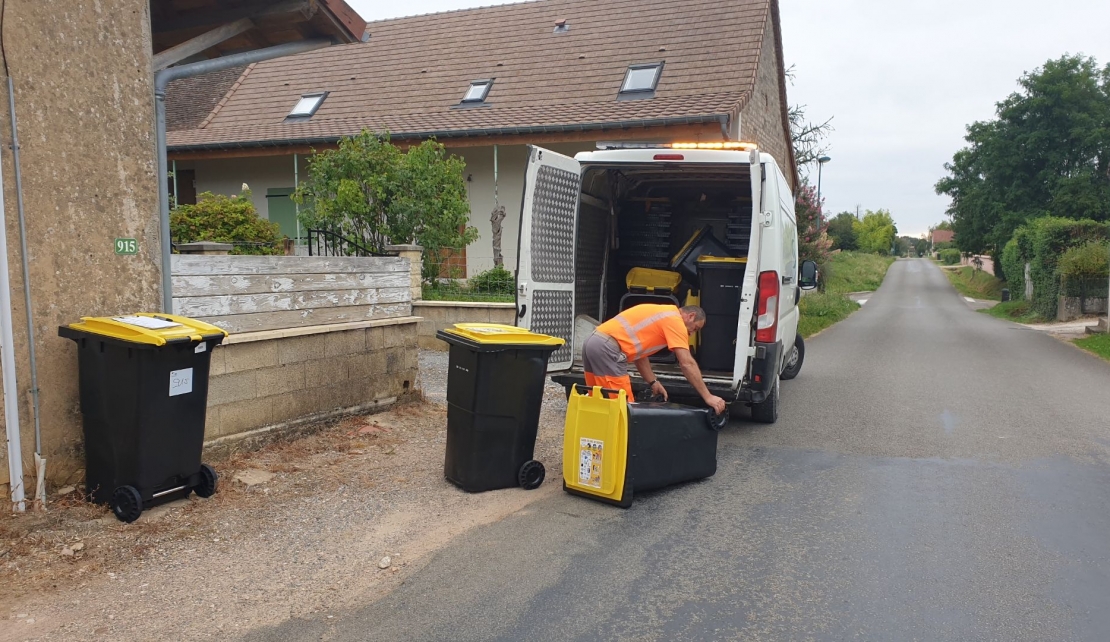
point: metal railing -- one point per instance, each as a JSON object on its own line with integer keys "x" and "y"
{"x": 328, "y": 243}
{"x": 1091, "y": 292}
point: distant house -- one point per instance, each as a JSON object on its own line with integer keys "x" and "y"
{"x": 486, "y": 82}
{"x": 942, "y": 236}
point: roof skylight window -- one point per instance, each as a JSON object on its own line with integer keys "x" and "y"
{"x": 307, "y": 105}
{"x": 642, "y": 79}
{"x": 478, "y": 91}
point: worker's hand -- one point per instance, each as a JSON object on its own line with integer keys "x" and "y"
{"x": 716, "y": 403}
{"x": 658, "y": 390}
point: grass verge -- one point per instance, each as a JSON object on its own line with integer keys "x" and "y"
{"x": 1019, "y": 311}
{"x": 846, "y": 272}
{"x": 977, "y": 285}
{"x": 1097, "y": 344}
{"x": 819, "y": 310}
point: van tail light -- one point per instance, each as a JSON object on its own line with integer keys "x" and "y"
{"x": 768, "y": 309}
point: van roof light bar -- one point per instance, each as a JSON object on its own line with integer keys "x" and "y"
{"x": 721, "y": 145}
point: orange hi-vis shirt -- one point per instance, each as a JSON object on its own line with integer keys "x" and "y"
{"x": 643, "y": 330}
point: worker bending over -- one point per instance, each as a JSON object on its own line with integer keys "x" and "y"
{"x": 636, "y": 334}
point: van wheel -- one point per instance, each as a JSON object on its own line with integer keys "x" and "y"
{"x": 792, "y": 365}
{"x": 768, "y": 411}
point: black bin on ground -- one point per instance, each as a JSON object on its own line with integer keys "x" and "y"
{"x": 663, "y": 444}
{"x": 495, "y": 381}
{"x": 144, "y": 394}
{"x": 722, "y": 280}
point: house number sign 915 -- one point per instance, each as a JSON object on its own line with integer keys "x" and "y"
{"x": 127, "y": 246}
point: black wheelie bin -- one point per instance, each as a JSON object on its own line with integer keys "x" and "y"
{"x": 144, "y": 394}
{"x": 613, "y": 449}
{"x": 495, "y": 380}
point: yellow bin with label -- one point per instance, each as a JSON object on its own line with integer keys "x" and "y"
{"x": 612, "y": 448}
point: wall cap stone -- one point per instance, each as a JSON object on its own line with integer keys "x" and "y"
{"x": 204, "y": 247}
{"x": 404, "y": 248}
{"x": 268, "y": 335}
{"x": 463, "y": 304}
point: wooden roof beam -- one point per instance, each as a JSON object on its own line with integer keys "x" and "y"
{"x": 205, "y": 41}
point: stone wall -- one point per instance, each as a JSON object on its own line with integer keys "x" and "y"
{"x": 761, "y": 119}
{"x": 1070, "y": 308}
{"x": 437, "y": 315}
{"x": 267, "y": 381}
{"x": 84, "y": 98}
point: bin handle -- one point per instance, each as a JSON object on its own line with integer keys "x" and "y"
{"x": 581, "y": 386}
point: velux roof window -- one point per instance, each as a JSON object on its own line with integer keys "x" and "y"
{"x": 478, "y": 91}
{"x": 640, "y": 81}
{"x": 307, "y": 105}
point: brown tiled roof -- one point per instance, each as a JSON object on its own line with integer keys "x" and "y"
{"x": 411, "y": 74}
{"x": 943, "y": 236}
{"x": 189, "y": 101}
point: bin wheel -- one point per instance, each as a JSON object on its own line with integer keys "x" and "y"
{"x": 208, "y": 481}
{"x": 531, "y": 475}
{"x": 127, "y": 504}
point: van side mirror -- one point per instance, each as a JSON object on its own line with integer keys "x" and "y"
{"x": 807, "y": 279}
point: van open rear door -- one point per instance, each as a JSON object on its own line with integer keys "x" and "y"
{"x": 745, "y": 337}
{"x": 545, "y": 260}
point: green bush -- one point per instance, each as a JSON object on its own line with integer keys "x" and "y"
{"x": 226, "y": 219}
{"x": 495, "y": 281}
{"x": 944, "y": 245}
{"x": 950, "y": 256}
{"x": 1049, "y": 238}
{"x": 1013, "y": 269}
{"x": 1084, "y": 268}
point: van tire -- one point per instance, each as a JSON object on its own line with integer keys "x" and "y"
{"x": 767, "y": 412}
{"x": 792, "y": 364}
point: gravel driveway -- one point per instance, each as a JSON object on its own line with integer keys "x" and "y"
{"x": 310, "y": 537}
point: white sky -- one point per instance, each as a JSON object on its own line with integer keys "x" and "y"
{"x": 901, "y": 81}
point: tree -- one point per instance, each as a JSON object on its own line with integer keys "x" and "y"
{"x": 1046, "y": 152}
{"x": 371, "y": 192}
{"x": 876, "y": 232}
{"x": 842, "y": 231}
{"x": 943, "y": 225}
{"x": 813, "y": 242}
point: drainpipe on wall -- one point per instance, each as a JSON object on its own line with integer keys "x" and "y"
{"x": 163, "y": 78}
{"x": 7, "y": 366}
{"x": 40, "y": 463}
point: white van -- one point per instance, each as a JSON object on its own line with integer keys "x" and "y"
{"x": 588, "y": 221}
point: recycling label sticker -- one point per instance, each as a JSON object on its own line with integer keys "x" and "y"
{"x": 590, "y": 453}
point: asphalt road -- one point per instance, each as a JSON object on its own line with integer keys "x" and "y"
{"x": 936, "y": 474}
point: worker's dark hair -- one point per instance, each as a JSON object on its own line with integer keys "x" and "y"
{"x": 699, "y": 314}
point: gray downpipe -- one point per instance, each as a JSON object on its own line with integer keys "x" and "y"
{"x": 161, "y": 80}
{"x": 26, "y": 270}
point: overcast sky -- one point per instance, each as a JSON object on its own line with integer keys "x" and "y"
{"x": 901, "y": 81}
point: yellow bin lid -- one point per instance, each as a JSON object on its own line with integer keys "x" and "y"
{"x": 497, "y": 334}
{"x": 639, "y": 277}
{"x": 150, "y": 328}
{"x": 721, "y": 259}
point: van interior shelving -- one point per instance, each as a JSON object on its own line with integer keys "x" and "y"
{"x": 642, "y": 216}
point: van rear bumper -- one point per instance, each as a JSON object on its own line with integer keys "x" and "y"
{"x": 753, "y": 388}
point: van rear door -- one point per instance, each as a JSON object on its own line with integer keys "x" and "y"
{"x": 745, "y": 337}
{"x": 545, "y": 259}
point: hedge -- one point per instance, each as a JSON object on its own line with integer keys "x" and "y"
{"x": 1041, "y": 243}
{"x": 950, "y": 256}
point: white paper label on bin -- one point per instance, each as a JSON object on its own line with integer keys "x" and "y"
{"x": 150, "y": 323}
{"x": 201, "y": 347}
{"x": 181, "y": 382}
{"x": 589, "y": 462}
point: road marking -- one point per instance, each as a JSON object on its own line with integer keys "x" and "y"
{"x": 969, "y": 299}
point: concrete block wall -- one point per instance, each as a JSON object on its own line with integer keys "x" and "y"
{"x": 264, "y": 379}
{"x": 437, "y": 315}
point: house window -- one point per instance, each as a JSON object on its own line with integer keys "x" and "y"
{"x": 641, "y": 79}
{"x": 307, "y": 105}
{"x": 478, "y": 91}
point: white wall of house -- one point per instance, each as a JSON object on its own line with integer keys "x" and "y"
{"x": 226, "y": 176}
